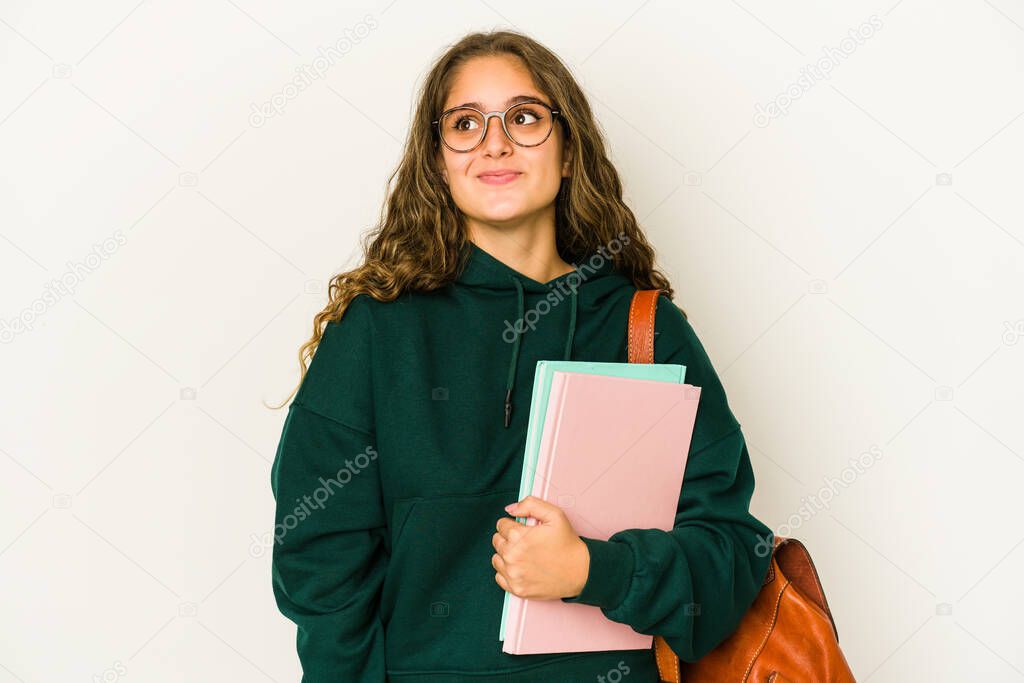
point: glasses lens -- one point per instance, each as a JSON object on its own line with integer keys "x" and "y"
{"x": 462, "y": 128}
{"x": 528, "y": 123}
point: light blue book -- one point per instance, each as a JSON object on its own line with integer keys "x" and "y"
{"x": 662, "y": 372}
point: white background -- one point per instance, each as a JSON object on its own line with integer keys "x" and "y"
{"x": 849, "y": 294}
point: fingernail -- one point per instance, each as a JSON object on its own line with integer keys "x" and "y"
{"x": 508, "y": 508}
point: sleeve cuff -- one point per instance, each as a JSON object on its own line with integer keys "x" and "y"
{"x": 611, "y": 571}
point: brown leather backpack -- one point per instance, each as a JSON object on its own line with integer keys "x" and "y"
{"x": 788, "y": 635}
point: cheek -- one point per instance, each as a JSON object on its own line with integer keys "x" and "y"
{"x": 546, "y": 172}
{"x": 549, "y": 162}
{"x": 459, "y": 182}
{"x": 457, "y": 168}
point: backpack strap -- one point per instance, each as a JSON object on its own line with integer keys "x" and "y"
{"x": 640, "y": 335}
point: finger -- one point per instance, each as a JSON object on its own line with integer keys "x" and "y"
{"x": 506, "y": 525}
{"x": 498, "y": 563}
{"x": 513, "y": 534}
{"x": 500, "y": 580}
{"x": 532, "y": 506}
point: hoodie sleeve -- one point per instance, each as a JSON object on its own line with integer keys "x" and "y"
{"x": 328, "y": 559}
{"x": 690, "y": 585}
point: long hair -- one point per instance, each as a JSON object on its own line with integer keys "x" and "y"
{"x": 420, "y": 233}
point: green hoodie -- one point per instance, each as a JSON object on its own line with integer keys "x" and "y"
{"x": 403, "y": 445}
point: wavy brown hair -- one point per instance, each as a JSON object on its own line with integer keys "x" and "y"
{"x": 420, "y": 233}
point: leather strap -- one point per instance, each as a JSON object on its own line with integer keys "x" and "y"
{"x": 640, "y": 341}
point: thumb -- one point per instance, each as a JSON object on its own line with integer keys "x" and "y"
{"x": 531, "y": 506}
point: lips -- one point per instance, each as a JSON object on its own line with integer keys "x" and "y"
{"x": 499, "y": 177}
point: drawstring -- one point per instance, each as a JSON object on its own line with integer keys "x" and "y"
{"x": 517, "y": 330}
{"x": 572, "y": 326}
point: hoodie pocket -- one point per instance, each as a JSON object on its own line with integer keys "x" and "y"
{"x": 440, "y": 602}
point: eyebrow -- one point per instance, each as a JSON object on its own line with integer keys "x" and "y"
{"x": 508, "y": 103}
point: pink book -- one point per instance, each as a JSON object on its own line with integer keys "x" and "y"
{"x": 612, "y": 456}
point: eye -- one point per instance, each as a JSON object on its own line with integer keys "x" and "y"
{"x": 525, "y": 117}
{"x": 465, "y": 122}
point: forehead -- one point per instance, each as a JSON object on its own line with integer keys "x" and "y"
{"x": 492, "y": 83}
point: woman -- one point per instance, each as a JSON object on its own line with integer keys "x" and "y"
{"x": 500, "y": 246}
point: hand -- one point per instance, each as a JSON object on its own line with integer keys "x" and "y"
{"x": 547, "y": 561}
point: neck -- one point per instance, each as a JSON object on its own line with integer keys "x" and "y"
{"x": 528, "y": 246}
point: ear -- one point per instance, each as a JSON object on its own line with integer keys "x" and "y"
{"x": 566, "y": 162}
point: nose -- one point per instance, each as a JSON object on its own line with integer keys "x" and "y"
{"x": 496, "y": 143}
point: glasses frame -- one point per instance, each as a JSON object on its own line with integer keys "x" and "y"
{"x": 487, "y": 122}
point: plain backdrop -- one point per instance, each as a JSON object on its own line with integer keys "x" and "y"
{"x": 833, "y": 189}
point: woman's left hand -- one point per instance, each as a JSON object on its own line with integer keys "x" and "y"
{"x": 542, "y": 562}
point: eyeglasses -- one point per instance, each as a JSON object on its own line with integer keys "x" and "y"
{"x": 526, "y": 123}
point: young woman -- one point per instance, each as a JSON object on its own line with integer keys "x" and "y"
{"x": 505, "y": 241}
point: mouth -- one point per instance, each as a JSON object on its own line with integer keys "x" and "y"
{"x": 502, "y": 178}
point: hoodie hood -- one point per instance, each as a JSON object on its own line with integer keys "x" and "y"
{"x": 595, "y": 275}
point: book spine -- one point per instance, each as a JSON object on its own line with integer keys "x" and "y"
{"x": 558, "y": 382}
{"x": 550, "y": 464}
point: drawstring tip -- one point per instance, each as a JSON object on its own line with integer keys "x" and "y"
{"x": 508, "y": 407}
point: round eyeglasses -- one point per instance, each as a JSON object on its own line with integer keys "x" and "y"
{"x": 527, "y": 124}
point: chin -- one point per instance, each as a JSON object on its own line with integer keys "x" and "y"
{"x": 501, "y": 211}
